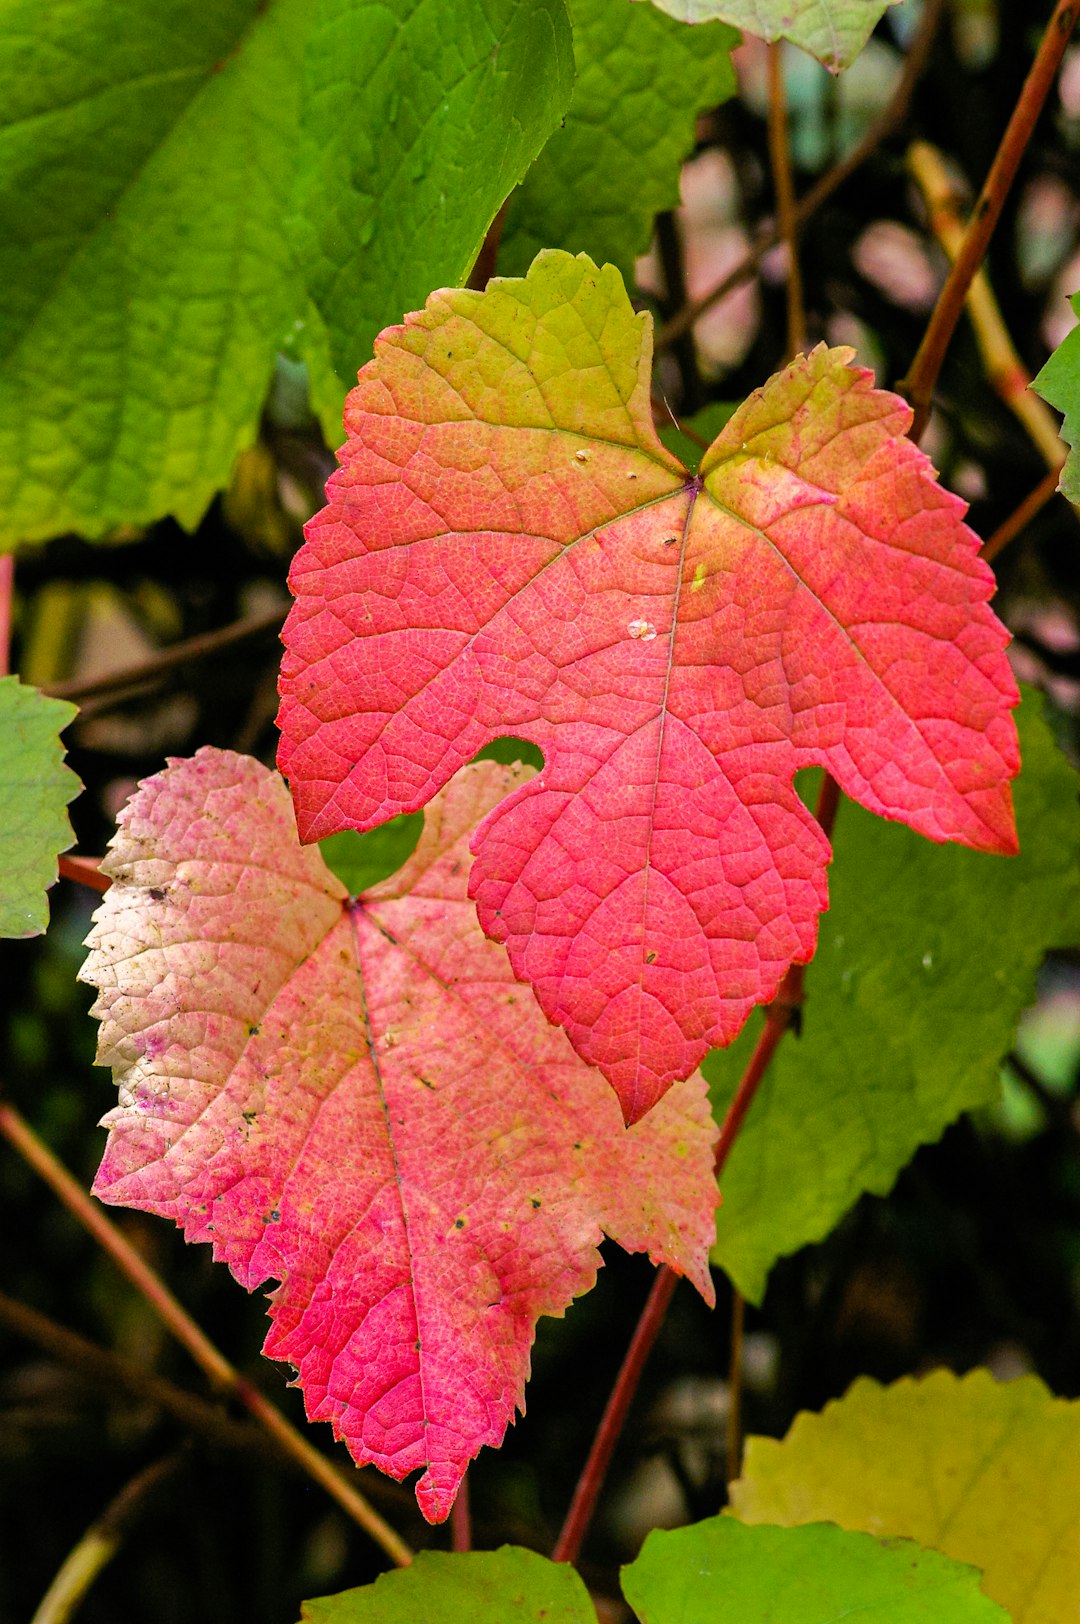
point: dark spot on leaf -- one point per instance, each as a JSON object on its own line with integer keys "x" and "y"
{"x": 253, "y": 1031}
{"x": 669, "y": 541}
{"x": 426, "y": 1082}
{"x": 533, "y": 1201}
{"x": 650, "y": 958}
{"x": 455, "y": 868}
{"x": 156, "y": 894}
{"x": 459, "y": 1223}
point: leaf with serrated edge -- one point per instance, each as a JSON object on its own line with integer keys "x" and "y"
{"x": 1059, "y": 383}
{"x": 985, "y": 1471}
{"x": 507, "y": 1586}
{"x": 358, "y": 1100}
{"x": 183, "y": 195}
{"x": 834, "y": 31}
{"x": 614, "y": 164}
{"x": 723, "y": 1572}
{"x": 928, "y": 956}
{"x": 509, "y": 548}
{"x": 35, "y": 788}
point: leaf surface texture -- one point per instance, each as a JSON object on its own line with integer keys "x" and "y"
{"x": 35, "y": 788}
{"x": 358, "y": 1100}
{"x": 509, "y": 548}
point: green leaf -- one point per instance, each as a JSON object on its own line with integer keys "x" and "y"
{"x": 926, "y": 958}
{"x": 834, "y": 31}
{"x": 1059, "y": 383}
{"x": 35, "y": 788}
{"x": 983, "y": 1470}
{"x": 361, "y": 861}
{"x": 722, "y": 1572}
{"x": 508, "y": 1586}
{"x": 184, "y": 195}
{"x": 419, "y": 119}
{"x": 641, "y": 81}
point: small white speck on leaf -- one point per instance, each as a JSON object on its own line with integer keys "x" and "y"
{"x": 643, "y": 629}
{"x": 581, "y": 456}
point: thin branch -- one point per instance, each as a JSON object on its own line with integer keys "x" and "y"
{"x": 484, "y": 266}
{"x": 919, "y": 384}
{"x": 591, "y": 1481}
{"x": 187, "y": 652}
{"x": 1002, "y": 363}
{"x": 7, "y": 593}
{"x": 103, "y": 1540}
{"x": 176, "y": 1319}
{"x": 111, "y": 1372}
{"x": 784, "y": 186}
{"x": 83, "y": 870}
{"x": 887, "y": 121}
{"x": 1033, "y": 503}
{"x": 461, "y": 1519}
{"x": 781, "y": 1014}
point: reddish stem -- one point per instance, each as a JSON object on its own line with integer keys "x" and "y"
{"x": 784, "y": 186}
{"x": 918, "y": 386}
{"x": 7, "y": 589}
{"x": 461, "y": 1519}
{"x": 84, "y": 871}
{"x": 778, "y": 1017}
{"x": 1020, "y": 517}
{"x": 589, "y": 1484}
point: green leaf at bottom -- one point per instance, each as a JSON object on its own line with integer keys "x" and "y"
{"x": 508, "y": 1586}
{"x": 721, "y": 1572}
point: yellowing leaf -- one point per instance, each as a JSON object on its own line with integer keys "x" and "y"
{"x": 987, "y": 1472}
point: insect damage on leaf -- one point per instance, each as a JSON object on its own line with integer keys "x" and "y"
{"x": 495, "y": 558}
{"x": 357, "y": 1099}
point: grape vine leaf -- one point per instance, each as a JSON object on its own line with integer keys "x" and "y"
{"x": 507, "y": 1586}
{"x": 928, "y": 955}
{"x": 834, "y": 31}
{"x": 35, "y": 788}
{"x": 182, "y": 196}
{"x": 509, "y": 548}
{"x": 1059, "y": 384}
{"x": 598, "y": 184}
{"x": 358, "y": 1100}
{"x": 724, "y": 1572}
{"x": 982, "y": 1470}
{"x": 714, "y": 1572}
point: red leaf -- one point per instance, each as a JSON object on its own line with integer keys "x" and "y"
{"x": 508, "y": 548}
{"x": 358, "y": 1100}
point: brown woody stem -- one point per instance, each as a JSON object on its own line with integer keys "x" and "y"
{"x": 919, "y": 384}
{"x": 1011, "y": 527}
{"x": 187, "y": 652}
{"x": 176, "y": 1319}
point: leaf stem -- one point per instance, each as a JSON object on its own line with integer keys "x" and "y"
{"x": 84, "y": 871}
{"x": 461, "y": 1519}
{"x": 186, "y": 652}
{"x": 780, "y": 1014}
{"x": 591, "y": 1481}
{"x": 7, "y": 593}
{"x": 1021, "y": 516}
{"x": 95, "y": 1364}
{"x": 919, "y": 384}
{"x": 784, "y": 186}
{"x": 888, "y": 120}
{"x": 102, "y": 1540}
{"x": 176, "y": 1319}
{"x": 1002, "y": 363}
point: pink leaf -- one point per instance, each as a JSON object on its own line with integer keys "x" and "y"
{"x": 508, "y": 548}
{"x": 358, "y": 1100}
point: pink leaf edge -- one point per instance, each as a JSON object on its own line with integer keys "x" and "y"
{"x": 357, "y": 1099}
